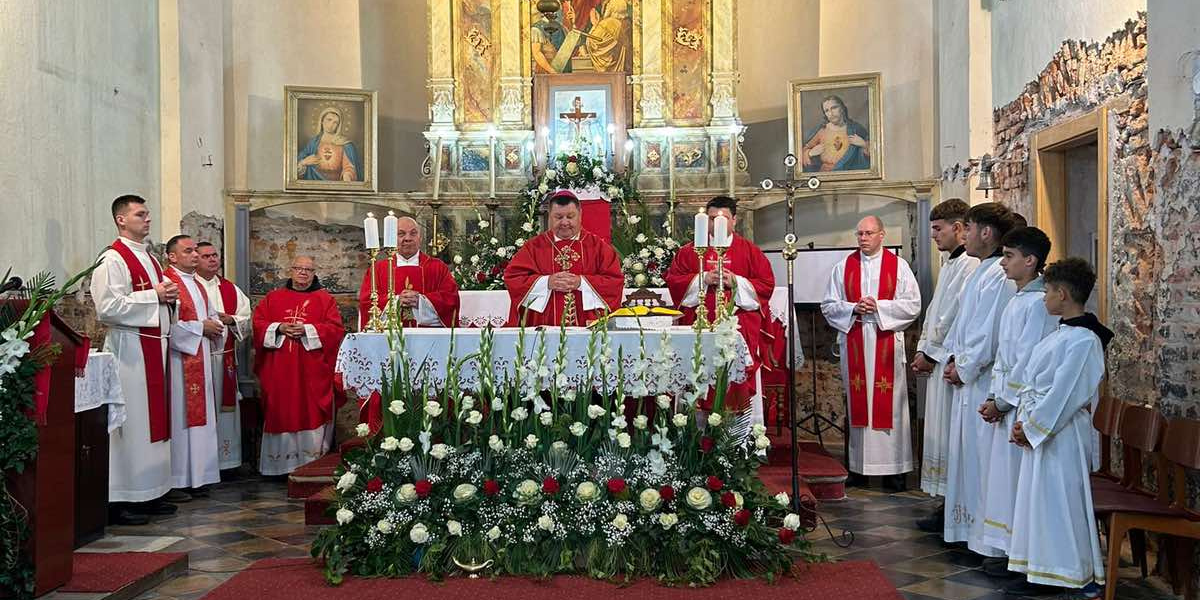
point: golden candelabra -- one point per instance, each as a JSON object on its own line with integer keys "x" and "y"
{"x": 701, "y": 310}
{"x": 437, "y": 239}
{"x": 391, "y": 310}
{"x": 722, "y": 309}
{"x": 374, "y": 323}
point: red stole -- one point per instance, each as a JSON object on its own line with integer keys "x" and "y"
{"x": 228, "y": 369}
{"x": 194, "y": 382}
{"x": 152, "y": 355}
{"x": 885, "y": 348}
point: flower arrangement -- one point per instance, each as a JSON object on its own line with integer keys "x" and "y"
{"x": 646, "y": 254}
{"x": 509, "y": 480}
{"x": 581, "y": 172}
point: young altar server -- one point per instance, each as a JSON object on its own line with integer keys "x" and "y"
{"x": 1022, "y": 325}
{"x": 947, "y": 227}
{"x": 1054, "y": 540}
{"x": 972, "y": 345}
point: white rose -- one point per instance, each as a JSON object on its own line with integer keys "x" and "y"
{"x": 551, "y": 174}
{"x": 679, "y": 420}
{"x": 572, "y": 168}
{"x": 497, "y": 404}
{"x": 527, "y": 227}
{"x": 659, "y": 253}
{"x": 620, "y": 521}
{"x": 614, "y": 192}
{"x": 624, "y": 440}
{"x": 346, "y": 481}
{"x": 344, "y": 515}
{"x": 658, "y": 281}
{"x": 474, "y": 259}
{"x": 396, "y": 407}
{"x": 406, "y": 444}
{"x": 668, "y": 520}
{"x": 546, "y": 418}
{"x": 433, "y": 409}
{"x": 639, "y": 280}
{"x": 457, "y": 259}
{"x": 644, "y": 253}
{"x": 467, "y": 402}
{"x": 595, "y": 412}
{"x": 641, "y": 238}
{"x": 484, "y": 224}
{"x": 738, "y": 500}
{"x": 649, "y": 499}
{"x": 664, "y": 401}
{"x": 638, "y": 267}
{"x": 384, "y": 526}
{"x": 714, "y": 420}
{"x": 543, "y": 188}
{"x": 782, "y": 499}
{"x": 493, "y": 241}
{"x": 699, "y": 498}
{"x": 439, "y": 451}
{"x": 587, "y": 491}
{"x": 619, "y": 422}
{"x": 641, "y": 421}
{"x": 597, "y": 172}
{"x": 407, "y": 493}
{"x": 762, "y": 442}
{"x": 634, "y": 219}
{"x": 519, "y": 242}
{"x": 419, "y": 533}
{"x": 464, "y": 491}
{"x": 792, "y": 521}
{"x": 758, "y": 430}
{"x": 389, "y": 444}
{"x": 362, "y": 430}
{"x": 519, "y": 413}
{"x": 578, "y": 429}
{"x": 495, "y": 444}
{"x": 493, "y": 534}
{"x": 453, "y": 527}
{"x": 545, "y": 523}
{"x": 474, "y": 418}
{"x": 531, "y": 441}
{"x": 527, "y": 491}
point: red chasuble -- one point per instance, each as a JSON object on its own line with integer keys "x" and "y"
{"x": 156, "y": 369}
{"x": 431, "y": 279}
{"x": 194, "y": 382}
{"x": 297, "y": 384}
{"x": 228, "y": 368}
{"x": 587, "y": 256}
{"x": 885, "y": 347}
{"x": 756, "y": 326}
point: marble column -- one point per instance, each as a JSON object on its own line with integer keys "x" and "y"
{"x": 513, "y": 113}
{"x": 647, "y": 83}
{"x": 724, "y": 63}
{"x": 441, "y": 67}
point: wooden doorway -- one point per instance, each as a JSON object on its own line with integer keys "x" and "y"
{"x": 1070, "y": 184}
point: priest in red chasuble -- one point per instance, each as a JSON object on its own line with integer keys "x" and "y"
{"x": 297, "y": 331}
{"x": 565, "y": 275}
{"x": 425, "y": 292}
{"x": 872, "y": 298}
{"x": 748, "y": 284}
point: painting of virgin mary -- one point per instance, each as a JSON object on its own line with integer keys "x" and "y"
{"x": 329, "y": 141}
{"x": 329, "y": 155}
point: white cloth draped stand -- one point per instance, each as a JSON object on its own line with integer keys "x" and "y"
{"x": 99, "y": 386}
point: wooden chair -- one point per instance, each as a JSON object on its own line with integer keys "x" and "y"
{"x": 1166, "y": 512}
{"x": 1107, "y": 420}
{"x": 1141, "y": 432}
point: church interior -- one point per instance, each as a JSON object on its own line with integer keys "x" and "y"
{"x": 270, "y": 142}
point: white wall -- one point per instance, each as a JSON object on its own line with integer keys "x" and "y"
{"x": 202, "y": 107}
{"x": 1172, "y": 56}
{"x": 1026, "y": 33}
{"x": 80, "y": 111}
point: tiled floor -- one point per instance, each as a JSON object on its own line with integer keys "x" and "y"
{"x": 251, "y": 519}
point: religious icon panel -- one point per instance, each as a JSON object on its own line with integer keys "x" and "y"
{"x": 329, "y": 139}
{"x": 835, "y": 126}
{"x": 582, "y": 36}
{"x": 580, "y": 113}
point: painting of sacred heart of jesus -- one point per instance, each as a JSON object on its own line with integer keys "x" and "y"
{"x": 329, "y": 140}
{"x": 834, "y": 126}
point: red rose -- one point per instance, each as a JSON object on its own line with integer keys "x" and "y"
{"x": 616, "y": 486}
{"x": 423, "y": 488}
{"x": 491, "y": 488}
{"x": 714, "y": 483}
{"x": 572, "y": 158}
{"x": 667, "y": 493}
{"x": 495, "y": 270}
{"x": 651, "y": 266}
{"x": 728, "y": 500}
{"x": 786, "y": 535}
{"x": 741, "y": 517}
{"x": 480, "y": 276}
{"x": 550, "y": 486}
{"x": 706, "y": 444}
{"x": 375, "y": 484}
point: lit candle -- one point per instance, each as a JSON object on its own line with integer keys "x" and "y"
{"x": 720, "y": 232}
{"x": 389, "y": 230}
{"x": 596, "y": 147}
{"x": 612, "y": 145}
{"x": 701, "y": 238}
{"x": 371, "y": 229}
{"x": 628, "y": 155}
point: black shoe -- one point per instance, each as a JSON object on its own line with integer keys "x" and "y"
{"x": 156, "y": 507}
{"x": 1025, "y": 588}
{"x": 935, "y": 522}
{"x": 997, "y": 567}
{"x": 177, "y": 497}
{"x": 894, "y": 484}
{"x": 200, "y": 492}
{"x": 127, "y": 517}
{"x": 857, "y": 480}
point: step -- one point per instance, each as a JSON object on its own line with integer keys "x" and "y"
{"x": 824, "y": 474}
{"x": 316, "y": 507}
{"x": 312, "y": 477}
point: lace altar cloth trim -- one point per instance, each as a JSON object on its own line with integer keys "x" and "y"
{"x": 100, "y": 385}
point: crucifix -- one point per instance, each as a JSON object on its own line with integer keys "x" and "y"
{"x": 564, "y": 258}
{"x": 577, "y": 117}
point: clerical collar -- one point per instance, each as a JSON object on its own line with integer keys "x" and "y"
{"x": 316, "y": 285}
{"x": 558, "y": 239}
{"x": 214, "y": 279}
{"x": 1091, "y": 323}
{"x": 132, "y": 244}
{"x": 183, "y": 273}
{"x": 958, "y": 252}
{"x": 871, "y": 256}
{"x": 412, "y": 261}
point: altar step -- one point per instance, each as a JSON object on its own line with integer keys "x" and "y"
{"x": 824, "y": 475}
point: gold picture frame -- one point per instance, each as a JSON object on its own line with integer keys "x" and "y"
{"x": 835, "y": 150}
{"x": 334, "y": 156}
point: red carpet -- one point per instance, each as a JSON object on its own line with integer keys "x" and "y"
{"x": 301, "y": 578}
{"x": 110, "y": 571}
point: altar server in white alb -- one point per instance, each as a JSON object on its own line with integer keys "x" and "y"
{"x": 947, "y": 226}
{"x": 233, "y": 308}
{"x": 972, "y": 345}
{"x": 131, "y": 298}
{"x": 1022, "y": 325}
{"x": 872, "y": 298}
{"x": 1054, "y": 540}
{"x": 193, "y": 404}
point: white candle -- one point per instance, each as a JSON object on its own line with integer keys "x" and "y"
{"x": 390, "y": 223}
{"x": 732, "y": 160}
{"x": 437, "y": 169}
{"x": 371, "y": 229}
{"x": 491, "y": 164}
{"x": 671, "y": 166}
{"x": 720, "y": 232}
{"x": 701, "y": 238}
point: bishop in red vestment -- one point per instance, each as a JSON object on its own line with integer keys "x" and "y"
{"x": 749, "y": 283}
{"x": 297, "y": 331}
{"x": 565, "y": 275}
{"x": 424, "y": 289}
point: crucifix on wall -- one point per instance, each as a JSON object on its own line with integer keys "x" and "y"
{"x": 578, "y": 117}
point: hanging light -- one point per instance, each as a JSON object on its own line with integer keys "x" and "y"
{"x": 549, "y": 9}
{"x": 987, "y": 181}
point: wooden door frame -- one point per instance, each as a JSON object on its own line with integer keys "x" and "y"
{"x": 1047, "y": 149}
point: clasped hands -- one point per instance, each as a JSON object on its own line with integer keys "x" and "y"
{"x": 408, "y": 298}
{"x": 710, "y": 278}
{"x": 563, "y": 281}
{"x": 167, "y": 291}
{"x": 866, "y": 306}
{"x": 292, "y": 330}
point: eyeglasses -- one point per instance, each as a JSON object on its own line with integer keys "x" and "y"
{"x": 303, "y": 270}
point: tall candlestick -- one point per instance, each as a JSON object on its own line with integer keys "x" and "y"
{"x": 390, "y": 223}
{"x": 671, "y": 166}
{"x": 492, "y": 163}
{"x": 732, "y": 159}
{"x": 720, "y": 232}
{"x": 437, "y": 169}
{"x": 701, "y": 238}
{"x": 371, "y": 229}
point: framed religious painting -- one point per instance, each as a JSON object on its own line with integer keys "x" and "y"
{"x": 835, "y": 127}
{"x": 580, "y": 113}
{"x": 329, "y": 139}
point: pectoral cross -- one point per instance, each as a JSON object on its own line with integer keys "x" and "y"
{"x": 577, "y": 117}
{"x": 565, "y": 257}
{"x": 406, "y": 313}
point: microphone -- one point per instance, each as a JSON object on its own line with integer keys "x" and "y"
{"x": 14, "y": 283}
